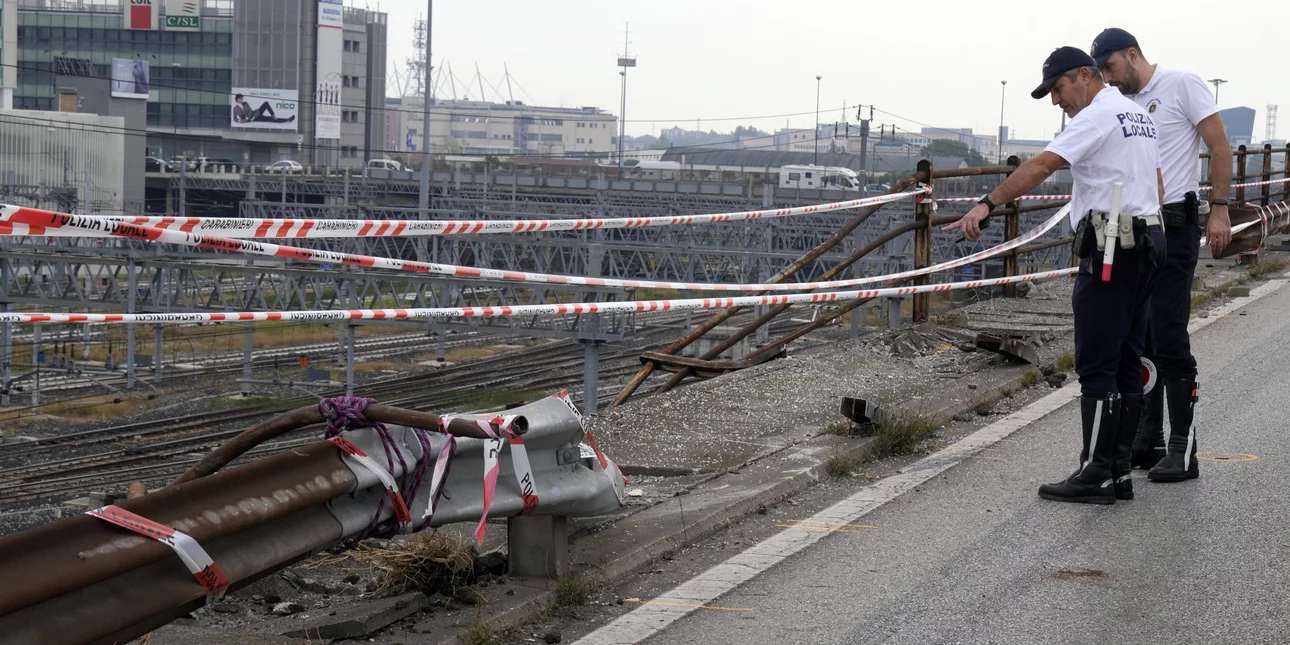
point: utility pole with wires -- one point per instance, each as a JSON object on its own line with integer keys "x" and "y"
{"x": 624, "y": 61}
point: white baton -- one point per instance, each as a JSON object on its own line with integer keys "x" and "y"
{"x": 1112, "y": 231}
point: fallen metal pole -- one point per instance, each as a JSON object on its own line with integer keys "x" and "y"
{"x": 714, "y": 321}
{"x": 309, "y": 415}
{"x": 76, "y": 552}
{"x": 775, "y": 311}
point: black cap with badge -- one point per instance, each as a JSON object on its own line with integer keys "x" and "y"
{"x": 1110, "y": 41}
{"x": 1062, "y": 60}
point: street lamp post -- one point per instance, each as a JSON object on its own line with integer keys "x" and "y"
{"x": 816, "y": 127}
{"x": 1003, "y": 89}
{"x": 624, "y": 61}
{"x": 1216, "y": 82}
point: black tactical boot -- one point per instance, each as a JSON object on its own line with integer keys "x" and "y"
{"x": 1092, "y": 483}
{"x": 1121, "y": 466}
{"x": 1180, "y": 462}
{"x": 1149, "y": 444}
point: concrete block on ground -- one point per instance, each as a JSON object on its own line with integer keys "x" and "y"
{"x": 1238, "y": 292}
{"x": 538, "y": 546}
{"x": 352, "y": 620}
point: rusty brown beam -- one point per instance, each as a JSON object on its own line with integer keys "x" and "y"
{"x": 923, "y": 245}
{"x": 1011, "y": 229}
{"x": 715, "y": 320}
{"x": 79, "y": 551}
{"x": 306, "y": 416}
{"x": 775, "y": 311}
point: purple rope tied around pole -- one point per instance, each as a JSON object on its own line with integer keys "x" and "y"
{"x": 346, "y": 413}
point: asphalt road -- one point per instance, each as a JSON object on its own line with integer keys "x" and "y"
{"x": 974, "y": 556}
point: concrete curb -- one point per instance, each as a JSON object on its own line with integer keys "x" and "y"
{"x": 623, "y": 547}
{"x": 642, "y": 538}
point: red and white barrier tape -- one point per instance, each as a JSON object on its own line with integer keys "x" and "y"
{"x": 15, "y": 220}
{"x": 195, "y": 558}
{"x": 1023, "y": 198}
{"x": 117, "y": 229}
{"x": 442, "y": 463}
{"x": 352, "y": 452}
{"x": 329, "y": 315}
{"x": 492, "y": 467}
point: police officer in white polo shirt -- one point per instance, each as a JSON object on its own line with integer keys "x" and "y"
{"x": 1185, "y": 113}
{"x": 1110, "y": 140}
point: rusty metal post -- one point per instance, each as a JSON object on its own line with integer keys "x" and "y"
{"x": 1240, "y": 175}
{"x": 1285, "y": 173}
{"x": 1011, "y": 229}
{"x": 922, "y": 241}
{"x": 1267, "y": 174}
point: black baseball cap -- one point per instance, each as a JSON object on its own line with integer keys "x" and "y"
{"x": 1110, "y": 41}
{"x": 1062, "y": 60}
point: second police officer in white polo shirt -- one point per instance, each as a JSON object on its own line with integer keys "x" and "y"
{"x": 1185, "y": 113}
{"x": 1110, "y": 140}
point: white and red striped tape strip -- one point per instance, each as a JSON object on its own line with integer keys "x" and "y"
{"x": 329, "y": 315}
{"x": 15, "y": 221}
{"x": 118, "y": 229}
{"x": 1023, "y": 198}
{"x": 194, "y": 557}
{"x": 401, "y": 514}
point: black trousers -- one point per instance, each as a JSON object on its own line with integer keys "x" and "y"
{"x": 1111, "y": 317}
{"x": 1168, "y": 345}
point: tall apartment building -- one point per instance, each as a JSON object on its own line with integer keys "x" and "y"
{"x": 188, "y": 60}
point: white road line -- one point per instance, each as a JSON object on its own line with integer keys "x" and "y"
{"x": 650, "y": 619}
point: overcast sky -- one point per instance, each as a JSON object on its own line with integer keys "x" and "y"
{"x": 937, "y": 62}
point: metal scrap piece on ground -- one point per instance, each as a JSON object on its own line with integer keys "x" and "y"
{"x": 862, "y": 413}
{"x": 1015, "y": 347}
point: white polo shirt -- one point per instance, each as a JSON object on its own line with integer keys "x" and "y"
{"x": 1112, "y": 140}
{"x": 1177, "y": 101}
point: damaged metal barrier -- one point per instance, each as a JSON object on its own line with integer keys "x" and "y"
{"x": 85, "y": 580}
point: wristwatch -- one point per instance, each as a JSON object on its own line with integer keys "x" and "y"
{"x": 985, "y": 199}
{"x": 1218, "y": 202}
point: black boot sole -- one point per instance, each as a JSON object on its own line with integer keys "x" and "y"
{"x": 1170, "y": 479}
{"x": 1079, "y": 500}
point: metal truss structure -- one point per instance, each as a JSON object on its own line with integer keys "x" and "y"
{"x": 114, "y": 274}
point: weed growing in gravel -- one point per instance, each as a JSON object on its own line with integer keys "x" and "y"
{"x": 1031, "y": 378}
{"x": 901, "y": 435}
{"x": 573, "y": 591}
{"x": 841, "y": 466}
{"x": 1065, "y": 362}
{"x": 479, "y": 633}
{"x": 948, "y": 318}
{"x": 1268, "y": 266}
{"x": 837, "y": 428}
{"x": 1007, "y": 392}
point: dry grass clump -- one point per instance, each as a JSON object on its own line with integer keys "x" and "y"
{"x": 427, "y": 560}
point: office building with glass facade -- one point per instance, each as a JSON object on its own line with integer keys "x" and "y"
{"x": 195, "y": 63}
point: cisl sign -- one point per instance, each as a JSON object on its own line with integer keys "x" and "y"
{"x": 141, "y": 14}
{"x": 183, "y": 15}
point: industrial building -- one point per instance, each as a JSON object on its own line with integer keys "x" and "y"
{"x": 311, "y": 74}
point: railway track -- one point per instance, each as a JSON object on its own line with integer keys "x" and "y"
{"x": 155, "y": 451}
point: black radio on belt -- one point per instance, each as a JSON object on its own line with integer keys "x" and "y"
{"x": 1185, "y": 214}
